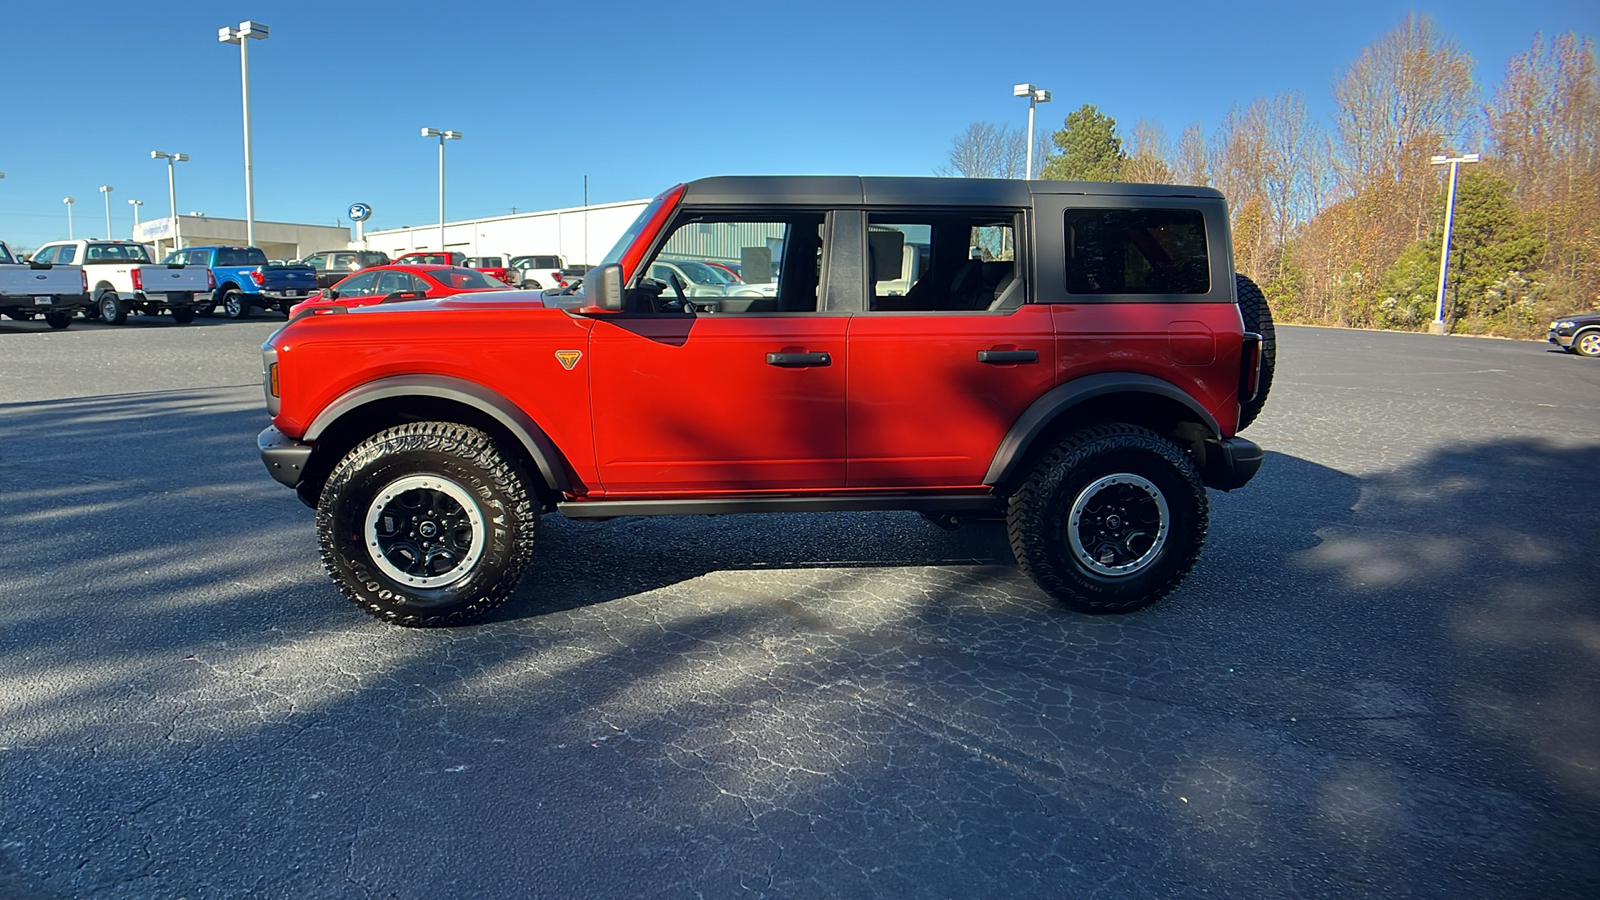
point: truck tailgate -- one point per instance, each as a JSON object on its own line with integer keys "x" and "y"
{"x": 26, "y": 281}
{"x": 289, "y": 278}
{"x": 175, "y": 279}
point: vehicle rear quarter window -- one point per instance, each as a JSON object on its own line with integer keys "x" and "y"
{"x": 929, "y": 262}
{"x": 1136, "y": 251}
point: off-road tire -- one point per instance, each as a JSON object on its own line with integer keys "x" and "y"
{"x": 1587, "y": 343}
{"x": 58, "y": 320}
{"x": 234, "y": 306}
{"x": 1121, "y": 467}
{"x": 1257, "y": 317}
{"x": 458, "y": 479}
{"x": 111, "y": 308}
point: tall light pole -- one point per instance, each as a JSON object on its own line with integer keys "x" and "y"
{"x": 442, "y": 136}
{"x": 105, "y": 191}
{"x": 172, "y": 191}
{"x": 1035, "y": 95}
{"x": 69, "y": 201}
{"x": 136, "y": 204}
{"x": 1454, "y": 162}
{"x": 243, "y": 35}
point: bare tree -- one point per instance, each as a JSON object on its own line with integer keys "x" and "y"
{"x": 1149, "y": 154}
{"x": 1191, "y": 165}
{"x": 987, "y": 150}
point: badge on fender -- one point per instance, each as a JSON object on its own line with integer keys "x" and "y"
{"x": 568, "y": 358}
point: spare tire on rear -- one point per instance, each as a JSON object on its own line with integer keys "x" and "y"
{"x": 1257, "y": 317}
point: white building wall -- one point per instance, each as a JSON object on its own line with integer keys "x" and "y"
{"x": 279, "y": 240}
{"x": 582, "y": 235}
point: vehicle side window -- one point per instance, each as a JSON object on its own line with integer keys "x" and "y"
{"x": 198, "y": 258}
{"x": 342, "y": 261}
{"x": 393, "y": 282}
{"x": 361, "y": 285}
{"x": 45, "y": 255}
{"x": 417, "y": 284}
{"x": 933, "y": 262}
{"x": 764, "y": 263}
{"x": 317, "y": 261}
{"x": 1136, "y": 251}
{"x": 66, "y": 254}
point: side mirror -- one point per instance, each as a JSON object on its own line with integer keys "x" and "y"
{"x": 330, "y": 294}
{"x": 604, "y": 287}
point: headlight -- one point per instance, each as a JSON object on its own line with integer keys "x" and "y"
{"x": 1563, "y": 324}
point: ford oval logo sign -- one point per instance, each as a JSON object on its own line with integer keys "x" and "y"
{"x": 360, "y": 212}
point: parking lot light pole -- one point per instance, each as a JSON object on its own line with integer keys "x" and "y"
{"x": 1454, "y": 162}
{"x": 243, "y": 35}
{"x": 105, "y": 191}
{"x": 1035, "y": 95}
{"x": 136, "y": 204}
{"x": 69, "y": 201}
{"x": 442, "y": 136}
{"x": 172, "y": 191}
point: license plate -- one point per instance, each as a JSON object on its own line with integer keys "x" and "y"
{"x": 292, "y": 293}
{"x": 44, "y": 301}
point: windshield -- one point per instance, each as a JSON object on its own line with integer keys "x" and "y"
{"x": 118, "y": 252}
{"x": 429, "y": 259}
{"x": 632, "y": 234}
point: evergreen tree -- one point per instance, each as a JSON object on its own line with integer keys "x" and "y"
{"x": 1088, "y": 148}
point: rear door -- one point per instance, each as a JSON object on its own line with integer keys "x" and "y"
{"x": 948, "y": 354}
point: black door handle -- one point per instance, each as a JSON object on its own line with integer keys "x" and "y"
{"x": 798, "y": 360}
{"x": 1008, "y": 356}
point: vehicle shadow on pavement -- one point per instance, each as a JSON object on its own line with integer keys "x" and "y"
{"x": 1384, "y": 685}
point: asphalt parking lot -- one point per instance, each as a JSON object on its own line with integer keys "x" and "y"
{"x": 1382, "y": 679}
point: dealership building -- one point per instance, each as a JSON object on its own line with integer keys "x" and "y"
{"x": 581, "y": 234}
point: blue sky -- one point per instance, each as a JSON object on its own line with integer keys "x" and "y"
{"x": 638, "y": 96}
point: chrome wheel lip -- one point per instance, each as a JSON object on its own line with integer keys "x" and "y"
{"x": 1080, "y": 507}
{"x": 381, "y": 503}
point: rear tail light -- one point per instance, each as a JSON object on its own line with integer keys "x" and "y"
{"x": 84, "y": 276}
{"x": 138, "y": 279}
{"x": 257, "y": 277}
{"x": 211, "y": 280}
{"x": 1249, "y": 367}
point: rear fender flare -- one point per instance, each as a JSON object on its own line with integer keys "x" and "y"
{"x": 540, "y": 448}
{"x": 1061, "y": 399}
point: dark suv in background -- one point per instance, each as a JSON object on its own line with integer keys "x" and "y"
{"x": 334, "y": 266}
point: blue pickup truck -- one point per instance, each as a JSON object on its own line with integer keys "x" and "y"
{"x": 246, "y": 280}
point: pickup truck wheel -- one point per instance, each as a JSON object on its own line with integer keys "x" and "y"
{"x": 234, "y": 305}
{"x": 1257, "y": 317}
{"x": 183, "y": 315}
{"x": 427, "y": 524}
{"x": 58, "y": 320}
{"x": 1109, "y": 521}
{"x": 1587, "y": 344}
{"x": 112, "y": 309}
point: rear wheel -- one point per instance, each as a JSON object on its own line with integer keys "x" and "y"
{"x": 112, "y": 309}
{"x": 1587, "y": 344}
{"x": 183, "y": 315}
{"x": 58, "y": 320}
{"x": 1109, "y": 521}
{"x": 1257, "y": 317}
{"x": 234, "y": 305}
{"x": 427, "y": 524}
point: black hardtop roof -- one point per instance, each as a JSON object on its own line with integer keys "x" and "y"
{"x": 852, "y": 190}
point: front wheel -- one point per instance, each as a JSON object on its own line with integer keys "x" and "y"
{"x": 427, "y": 524}
{"x": 1587, "y": 344}
{"x": 1109, "y": 521}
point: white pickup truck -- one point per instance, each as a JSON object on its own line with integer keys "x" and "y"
{"x": 28, "y": 289}
{"x": 122, "y": 278}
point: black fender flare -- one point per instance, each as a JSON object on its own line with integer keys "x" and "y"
{"x": 1058, "y": 400}
{"x": 543, "y": 451}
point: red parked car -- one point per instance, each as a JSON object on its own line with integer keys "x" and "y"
{"x": 402, "y": 282}
{"x": 494, "y": 267}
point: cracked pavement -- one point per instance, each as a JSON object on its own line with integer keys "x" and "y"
{"x": 1382, "y": 678}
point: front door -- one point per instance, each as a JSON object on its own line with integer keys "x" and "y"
{"x": 744, "y": 393}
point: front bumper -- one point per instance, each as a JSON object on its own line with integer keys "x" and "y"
{"x": 283, "y": 456}
{"x": 1230, "y": 463}
{"x": 1564, "y": 341}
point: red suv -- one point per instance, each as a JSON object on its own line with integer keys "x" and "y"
{"x": 1075, "y": 358}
